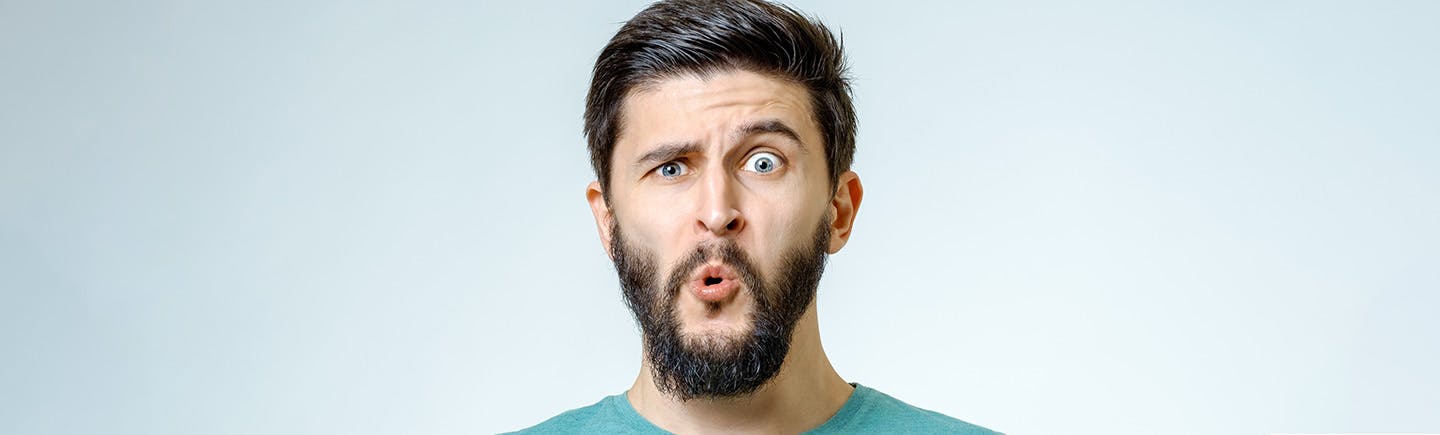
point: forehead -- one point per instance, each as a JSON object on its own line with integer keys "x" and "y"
{"x": 690, "y": 107}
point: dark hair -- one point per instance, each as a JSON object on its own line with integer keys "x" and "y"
{"x": 673, "y": 38}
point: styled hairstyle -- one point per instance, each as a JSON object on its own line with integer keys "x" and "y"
{"x": 672, "y": 38}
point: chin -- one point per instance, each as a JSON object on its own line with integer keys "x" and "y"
{"x": 722, "y": 340}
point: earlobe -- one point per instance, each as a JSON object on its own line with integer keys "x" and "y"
{"x": 844, "y": 206}
{"x": 604, "y": 218}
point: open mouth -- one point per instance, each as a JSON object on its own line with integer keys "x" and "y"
{"x": 714, "y": 283}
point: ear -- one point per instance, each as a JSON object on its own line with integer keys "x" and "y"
{"x": 604, "y": 218}
{"x": 843, "y": 206}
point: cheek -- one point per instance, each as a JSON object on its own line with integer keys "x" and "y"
{"x": 790, "y": 227}
{"x": 657, "y": 225}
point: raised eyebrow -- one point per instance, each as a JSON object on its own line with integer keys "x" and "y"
{"x": 667, "y": 152}
{"x": 771, "y": 126}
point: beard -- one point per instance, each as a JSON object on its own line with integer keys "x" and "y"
{"x": 718, "y": 366}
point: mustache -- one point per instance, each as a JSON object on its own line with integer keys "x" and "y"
{"x": 723, "y": 250}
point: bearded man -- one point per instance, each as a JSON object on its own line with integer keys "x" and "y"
{"x": 721, "y": 134}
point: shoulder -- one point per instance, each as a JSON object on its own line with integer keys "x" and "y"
{"x": 566, "y": 422}
{"x": 870, "y": 410}
{"x": 601, "y": 417}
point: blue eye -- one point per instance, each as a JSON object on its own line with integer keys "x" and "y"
{"x": 763, "y": 163}
{"x": 671, "y": 169}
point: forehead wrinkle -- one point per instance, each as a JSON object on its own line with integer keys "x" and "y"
{"x": 773, "y": 101}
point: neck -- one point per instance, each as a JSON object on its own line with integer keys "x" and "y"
{"x": 803, "y": 395}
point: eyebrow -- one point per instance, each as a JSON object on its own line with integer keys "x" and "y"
{"x": 771, "y": 126}
{"x": 672, "y": 151}
{"x": 668, "y": 152}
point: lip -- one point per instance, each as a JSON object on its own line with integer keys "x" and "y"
{"x": 714, "y": 293}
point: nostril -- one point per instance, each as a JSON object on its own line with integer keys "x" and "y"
{"x": 733, "y": 225}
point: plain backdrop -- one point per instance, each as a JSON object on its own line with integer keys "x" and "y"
{"x": 369, "y": 217}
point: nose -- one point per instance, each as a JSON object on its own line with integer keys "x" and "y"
{"x": 719, "y": 212}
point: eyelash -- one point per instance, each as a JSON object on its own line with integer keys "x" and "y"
{"x": 656, "y": 170}
{"x": 778, "y": 161}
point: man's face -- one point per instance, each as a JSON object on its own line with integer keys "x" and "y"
{"x": 722, "y": 212}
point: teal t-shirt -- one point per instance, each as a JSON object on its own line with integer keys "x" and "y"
{"x": 866, "y": 411}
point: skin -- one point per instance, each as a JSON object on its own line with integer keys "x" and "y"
{"x": 719, "y": 194}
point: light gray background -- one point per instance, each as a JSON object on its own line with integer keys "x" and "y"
{"x": 319, "y": 218}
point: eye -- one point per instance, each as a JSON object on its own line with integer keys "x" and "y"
{"x": 672, "y": 169}
{"x": 763, "y": 163}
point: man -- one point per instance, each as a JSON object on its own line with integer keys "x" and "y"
{"x": 721, "y": 134}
